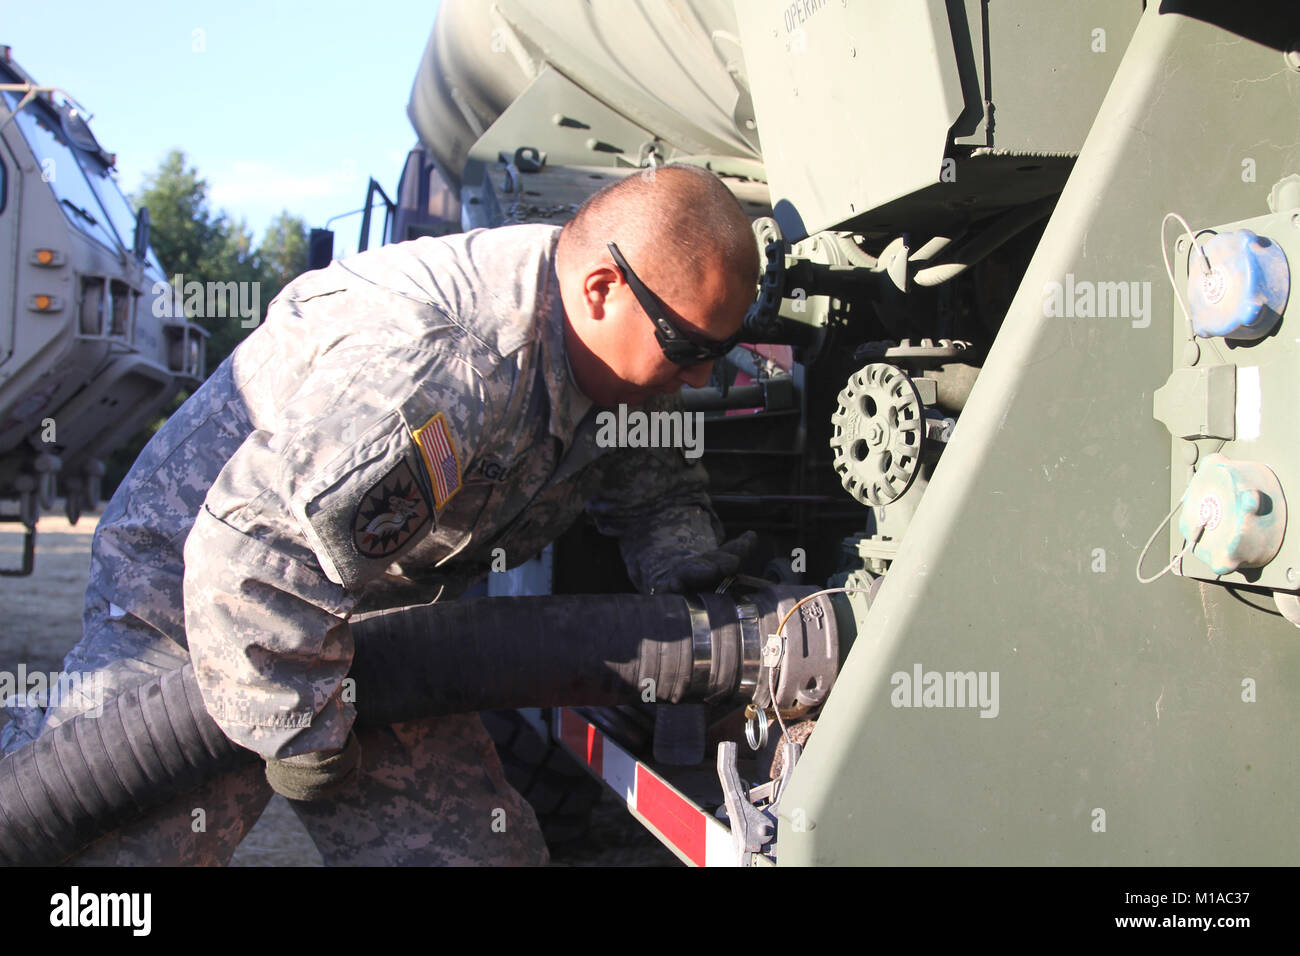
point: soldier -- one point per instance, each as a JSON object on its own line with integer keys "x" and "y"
{"x": 399, "y": 416}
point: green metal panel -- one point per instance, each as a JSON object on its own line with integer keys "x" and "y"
{"x": 853, "y": 102}
{"x": 1262, "y": 388}
{"x": 1113, "y": 698}
{"x": 1044, "y": 67}
{"x": 856, "y": 102}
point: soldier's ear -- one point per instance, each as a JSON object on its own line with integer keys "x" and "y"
{"x": 597, "y": 285}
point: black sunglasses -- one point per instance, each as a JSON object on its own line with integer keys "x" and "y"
{"x": 676, "y": 346}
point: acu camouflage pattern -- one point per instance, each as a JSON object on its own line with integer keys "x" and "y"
{"x": 428, "y": 792}
{"x": 236, "y": 530}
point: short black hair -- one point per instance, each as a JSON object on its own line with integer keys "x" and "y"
{"x": 671, "y": 222}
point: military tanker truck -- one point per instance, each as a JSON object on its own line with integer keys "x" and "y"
{"x": 1026, "y": 290}
{"x": 93, "y": 342}
{"x": 1017, "y": 384}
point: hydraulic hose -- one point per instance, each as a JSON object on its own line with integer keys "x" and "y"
{"x": 91, "y": 775}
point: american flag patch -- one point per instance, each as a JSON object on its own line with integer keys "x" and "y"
{"x": 439, "y": 459}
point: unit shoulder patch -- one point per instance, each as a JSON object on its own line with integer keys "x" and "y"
{"x": 391, "y": 513}
{"x": 440, "y": 459}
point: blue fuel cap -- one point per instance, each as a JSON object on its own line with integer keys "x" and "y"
{"x": 1243, "y": 293}
{"x": 1235, "y": 512}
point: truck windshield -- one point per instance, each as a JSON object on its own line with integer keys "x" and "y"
{"x": 119, "y": 210}
{"x": 60, "y": 168}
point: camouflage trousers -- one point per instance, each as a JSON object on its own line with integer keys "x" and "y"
{"x": 428, "y": 793}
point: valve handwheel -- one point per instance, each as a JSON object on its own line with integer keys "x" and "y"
{"x": 879, "y": 429}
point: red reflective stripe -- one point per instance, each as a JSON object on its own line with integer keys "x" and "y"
{"x": 583, "y": 740}
{"x": 595, "y": 749}
{"x": 681, "y": 823}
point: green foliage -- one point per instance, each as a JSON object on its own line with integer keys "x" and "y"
{"x": 200, "y": 244}
{"x": 206, "y": 246}
{"x": 283, "y": 251}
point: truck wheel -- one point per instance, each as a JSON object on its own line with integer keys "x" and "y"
{"x": 561, "y": 792}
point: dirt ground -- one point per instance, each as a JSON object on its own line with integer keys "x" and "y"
{"x": 43, "y": 621}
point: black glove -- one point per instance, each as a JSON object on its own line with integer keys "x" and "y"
{"x": 704, "y": 572}
{"x": 315, "y": 775}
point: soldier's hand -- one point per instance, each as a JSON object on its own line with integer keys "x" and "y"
{"x": 315, "y": 775}
{"x": 704, "y": 572}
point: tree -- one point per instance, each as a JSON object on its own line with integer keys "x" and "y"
{"x": 206, "y": 246}
{"x": 197, "y": 244}
{"x": 181, "y": 225}
{"x": 201, "y": 245}
{"x": 283, "y": 252}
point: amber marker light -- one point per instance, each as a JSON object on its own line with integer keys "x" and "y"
{"x": 47, "y": 257}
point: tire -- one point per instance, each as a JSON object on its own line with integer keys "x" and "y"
{"x": 560, "y": 791}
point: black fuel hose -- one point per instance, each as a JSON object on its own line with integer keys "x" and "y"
{"x": 91, "y": 775}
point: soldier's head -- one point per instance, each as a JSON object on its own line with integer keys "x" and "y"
{"x": 656, "y": 320}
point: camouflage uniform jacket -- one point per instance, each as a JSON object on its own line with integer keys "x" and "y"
{"x": 398, "y": 416}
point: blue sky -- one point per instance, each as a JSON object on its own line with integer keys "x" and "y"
{"x": 280, "y": 104}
